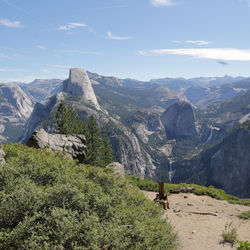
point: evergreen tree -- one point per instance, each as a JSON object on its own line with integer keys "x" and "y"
{"x": 62, "y": 122}
{"x": 106, "y": 152}
{"x": 93, "y": 139}
{"x": 67, "y": 120}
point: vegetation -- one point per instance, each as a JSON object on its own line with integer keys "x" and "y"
{"x": 67, "y": 121}
{"x": 50, "y": 202}
{"x": 243, "y": 245}
{"x": 229, "y": 235}
{"x": 219, "y": 194}
{"x": 245, "y": 215}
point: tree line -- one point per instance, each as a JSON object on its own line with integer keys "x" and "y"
{"x": 67, "y": 121}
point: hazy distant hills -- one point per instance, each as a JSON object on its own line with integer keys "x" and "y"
{"x": 40, "y": 90}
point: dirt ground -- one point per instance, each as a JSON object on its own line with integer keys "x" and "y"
{"x": 203, "y": 231}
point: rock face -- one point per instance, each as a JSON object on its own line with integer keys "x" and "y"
{"x": 74, "y": 145}
{"x": 15, "y": 109}
{"x": 145, "y": 123}
{"x": 2, "y": 154}
{"x": 229, "y": 166}
{"x": 179, "y": 121}
{"x": 118, "y": 169}
{"x": 79, "y": 84}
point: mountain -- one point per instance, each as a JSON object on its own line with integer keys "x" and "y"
{"x": 179, "y": 121}
{"x": 180, "y": 83}
{"x": 228, "y": 112}
{"x": 201, "y": 95}
{"x": 79, "y": 84}
{"x": 15, "y": 109}
{"x": 224, "y": 165}
{"x": 42, "y": 89}
{"x": 79, "y": 93}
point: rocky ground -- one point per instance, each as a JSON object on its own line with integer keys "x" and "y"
{"x": 200, "y": 220}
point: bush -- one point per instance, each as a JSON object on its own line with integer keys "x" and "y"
{"x": 229, "y": 235}
{"x": 50, "y": 202}
{"x": 245, "y": 215}
{"x": 243, "y": 245}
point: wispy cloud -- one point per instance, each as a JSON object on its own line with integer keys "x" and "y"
{"x": 58, "y": 66}
{"x": 11, "y": 24}
{"x": 72, "y": 25}
{"x": 160, "y": 3}
{"x": 196, "y": 42}
{"x": 82, "y": 52}
{"x": 12, "y": 70}
{"x": 111, "y": 36}
{"x": 3, "y": 55}
{"x": 41, "y": 47}
{"x": 110, "y": 7}
{"x": 227, "y": 54}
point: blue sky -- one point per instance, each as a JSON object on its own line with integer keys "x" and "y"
{"x": 139, "y": 39}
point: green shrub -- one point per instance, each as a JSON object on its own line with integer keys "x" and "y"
{"x": 229, "y": 235}
{"x": 50, "y": 202}
{"x": 243, "y": 245}
{"x": 245, "y": 215}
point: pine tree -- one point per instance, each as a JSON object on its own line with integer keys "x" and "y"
{"x": 106, "y": 152}
{"x": 67, "y": 120}
{"x": 93, "y": 142}
{"x": 62, "y": 122}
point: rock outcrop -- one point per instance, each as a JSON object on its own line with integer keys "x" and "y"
{"x": 179, "y": 121}
{"x": 73, "y": 145}
{"x": 79, "y": 84}
{"x": 2, "y": 155}
{"x": 118, "y": 169}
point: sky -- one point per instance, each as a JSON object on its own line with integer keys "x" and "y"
{"x": 139, "y": 39}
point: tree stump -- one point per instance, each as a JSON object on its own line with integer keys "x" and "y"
{"x": 161, "y": 190}
{"x": 161, "y": 197}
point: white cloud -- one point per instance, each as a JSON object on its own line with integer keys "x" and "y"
{"x": 159, "y": 3}
{"x": 196, "y": 42}
{"x": 41, "y": 47}
{"x": 111, "y": 36}
{"x": 10, "y": 24}
{"x": 71, "y": 26}
{"x": 227, "y": 54}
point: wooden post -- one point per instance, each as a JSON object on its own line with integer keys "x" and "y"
{"x": 161, "y": 190}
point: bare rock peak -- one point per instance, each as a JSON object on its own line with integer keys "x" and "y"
{"x": 79, "y": 84}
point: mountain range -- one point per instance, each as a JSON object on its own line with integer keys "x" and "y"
{"x": 174, "y": 130}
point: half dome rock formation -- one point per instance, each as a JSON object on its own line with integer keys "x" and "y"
{"x": 179, "y": 121}
{"x": 79, "y": 84}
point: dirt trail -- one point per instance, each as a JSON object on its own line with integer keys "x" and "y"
{"x": 203, "y": 231}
